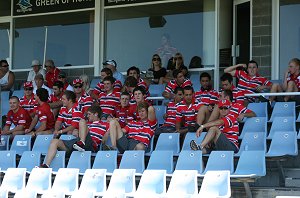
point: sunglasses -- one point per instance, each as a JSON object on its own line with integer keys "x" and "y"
{"x": 179, "y": 58}
{"x": 78, "y": 86}
{"x": 223, "y": 108}
{"x": 155, "y": 59}
{"x": 4, "y": 66}
{"x": 28, "y": 89}
{"x": 47, "y": 66}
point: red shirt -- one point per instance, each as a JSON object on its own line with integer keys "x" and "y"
{"x": 21, "y": 117}
{"x": 45, "y": 115}
{"x": 109, "y": 101}
{"x": 295, "y": 78}
{"x": 54, "y": 98}
{"x": 230, "y": 128}
{"x": 171, "y": 114}
{"x": 100, "y": 87}
{"x": 207, "y": 97}
{"x": 28, "y": 105}
{"x": 237, "y": 109}
{"x": 142, "y": 83}
{"x": 70, "y": 117}
{"x": 122, "y": 113}
{"x": 84, "y": 102}
{"x": 170, "y": 88}
{"x": 97, "y": 130}
{"x": 141, "y": 131}
{"x": 188, "y": 114}
{"x": 52, "y": 76}
{"x": 133, "y": 112}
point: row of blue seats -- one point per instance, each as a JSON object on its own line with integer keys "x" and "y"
{"x": 152, "y": 183}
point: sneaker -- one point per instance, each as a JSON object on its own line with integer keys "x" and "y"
{"x": 43, "y": 166}
{"x": 105, "y": 147}
{"x": 79, "y": 146}
{"x": 194, "y": 146}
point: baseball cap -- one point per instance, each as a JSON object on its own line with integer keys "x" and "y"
{"x": 224, "y": 103}
{"x": 110, "y": 62}
{"x": 62, "y": 74}
{"x": 27, "y": 84}
{"x": 35, "y": 62}
{"x": 77, "y": 81}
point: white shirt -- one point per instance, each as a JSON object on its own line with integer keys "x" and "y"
{"x": 44, "y": 86}
{"x": 32, "y": 74}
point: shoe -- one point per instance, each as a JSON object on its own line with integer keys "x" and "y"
{"x": 105, "y": 147}
{"x": 43, "y": 166}
{"x": 194, "y": 146}
{"x": 79, "y": 146}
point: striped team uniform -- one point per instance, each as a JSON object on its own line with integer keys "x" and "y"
{"x": 170, "y": 88}
{"x": 238, "y": 95}
{"x": 84, "y": 102}
{"x": 100, "y": 87}
{"x": 28, "y": 104}
{"x": 133, "y": 112}
{"x": 237, "y": 109}
{"x": 187, "y": 114}
{"x": 207, "y": 97}
{"x": 171, "y": 114}
{"x": 141, "y": 131}
{"x": 97, "y": 130}
{"x": 108, "y": 102}
{"x": 122, "y": 113}
{"x": 230, "y": 129}
{"x": 69, "y": 117}
{"x": 142, "y": 83}
{"x": 21, "y": 117}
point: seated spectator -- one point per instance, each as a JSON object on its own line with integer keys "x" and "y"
{"x": 170, "y": 117}
{"x": 62, "y": 76}
{"x": 28, "y": 102}
{"x": 175, "y": 62}
{"x": 185, "y": 71}
{"x": 90, "y": 136}
{"x": 222, "y": 133}
{"x": 179, "y": 81}
{"x": 157, "y": 69}
{"x": 291, "y": 81}
{"x": 112, "y": 65}
{"x": 36, "y": 69}
{"x": 250, "y": 81}
{"x": 135, "y": 72}
{"x": 7, "y": 77}
{"x": 109, "y": 99}
{"x": 136, "y": 135}
{"x": 86, "y": 83}
{"x": 55, "y": 99}
{"x": 43, "y": 114}
{"x": 40, "y": 83}
{"x": 122, "y": 110}
{"x": 186, "y": 112}
{"x": 84, "y": 100}
{"x": 18, "y": 119}
{"x": 196, "y": 62}
{"x": 139, "y": 95}
{"x": 52, "y": 73}
{"x": 129, "y": 85}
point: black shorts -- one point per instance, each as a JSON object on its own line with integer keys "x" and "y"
{"x": 88, "y": 144}
{"x": 224, "y": 144}
{"x": 125, "y": 143}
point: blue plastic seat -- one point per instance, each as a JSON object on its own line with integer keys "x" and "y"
{"x": 59, "y": 161}
{"x": 4, "y": 102}
{"x": 28, "y": 193}
{"x": 4, "y": 144}
{"x": 133, "y": 160}
{"x": 251, "y": 164}
{"x": 29, "y": 160}
{"x": 80, "y": 160}
{"x": 195, "y": 78}
{"x": 156, "y": 89}
{"x": 216, "y": 184}
{"x": 190, "y": 160}
{"x": 42, "y": 143}
{"x": 66, "y": 181}
{"x": 149, "y": 149}
{"x": 283, "y": 143}
{"x": 253, "y": 141}
{"x": 168, "y": 142}
{"x": 260, "y": 109}
{"x": 94, "y": 82}
{"x": 183, "y": 183}
{"x": 8, "y": 160}
{"x": 14, "y": 179}
{"x": 282, "y": 124}
{"x": 67, "y": 137}
{"x": 152, "y": 184}
{"x": 189, "y": 137}
{"x": 160, "y": 110}
{"x": 284, "y": 109}
{"x": 106, "y": 160}
{"x": 21, "y": 143}
{"x": 220, "y": 160}
{"x": 255, "y": 124}
{"x": 161, "y": 160}
{"x": 18, "y": 93}
{"x": 40, "y": 180}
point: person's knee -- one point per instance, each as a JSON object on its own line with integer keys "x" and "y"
{"x": 139, "y": 146}
{"x": 55, "y": 142}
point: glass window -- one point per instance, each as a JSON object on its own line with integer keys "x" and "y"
{"x": 5, "y": 8}
{"x": 135, "y": 33}
{"x": 65, "y": 38}
{"x": 289, "y": 33}
{"x": 4, "y": 40}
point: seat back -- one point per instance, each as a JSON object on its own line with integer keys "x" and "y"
{"x": 8, "y": 160}
{"x": 80, "y": 160}
{"x": 18, "y": 93}
{"x": 220, "y": 160}
{"x": 59, "y": 161}
{"x": 67, "y": 137}
{"x": 94, "y": 82}
{"x": 4, "y": 144}
{"x": 133, "y": 160}
{"x": 260, "y": 109}
{"x": 122, "y": 181}
{"x": 195, "y": 78}
{"x": 168, "y": 142}
{"x": 106, "y": 160}
{"x": 28, "y": 193}
{"x": 150, "y": 147}
{"x": 39, "y": 180}
{"x": 283, "y": 143}
{"x": 66, "y": 180}
{"x": 4, "y": 102}
{"x": 189, "y": 137}
{"x": 253, "y": 141}
{"x": 152, "y": 183}
{"x": 283, "y": 109}
{"x": 21, "y": 143}
{"x": 156, "y": 89}
{"x": 161, "y": 160}
{"x": 42, "y": 143}
{"x": 29, "y": 160}
{"x": 254, "y": 124}
{"x": 216, "y": 184}
{"x": 282, "y": 124}
{"x": 94, "y": 180}
{"x": 160, "y": 110}
{"x": 14, "y": 179}
{"x": 190, "y": 160}
{"x": 183, "y": 182}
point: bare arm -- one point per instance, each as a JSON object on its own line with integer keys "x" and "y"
{"x": 55, "y": 105}
{"x": 232, "y": 69}
{"x": 151, "y": 113}
{"x": 10, "y": 84}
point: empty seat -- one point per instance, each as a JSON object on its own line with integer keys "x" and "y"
{"x": 80, "y": 160}
{"x": 14, "y": 179}
{"x": 59, "y": 161}
{"x": 161, "y": 160}
{"x": 4, "y": 102}
{"x": 25, "y": 193}
{"x": 283, "y": 109}
{"x": 283, "y": 143}
{"x": 156, "y": 89}
{"x": 39, "y": 180}
{"x": 190, "y": 160}
{"x": 106, "y": 160}
{"x": 195, "y": 78}
{"x": 168, "y": 142}
{"x": 220, "y": 160}
{"x": 94, "y": 82}
{"x": 29, "y": 160}
{"x": 189, "y": 137}
{"x": 152, "y": 184}
{"x": 21, "y": 143}
{"x": 253, "y": 141}
{"x": 183, "y": 183}
{"x": 150, "y": 147}
{"x": 133, "y": 160}
{"x": 282, "y": 124}
{"x": 42, "y": 143}
{"x": 4, "y": 144}
{"x": 216, "y": 184}
{"x": 18, "y": 93}
{"x": 260, "y": 109}
{"x": 160, "y": 110}
{"x": 66, "y": 181}
{"x": 8, "y": 160}
{"x": 255, "y": 124}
